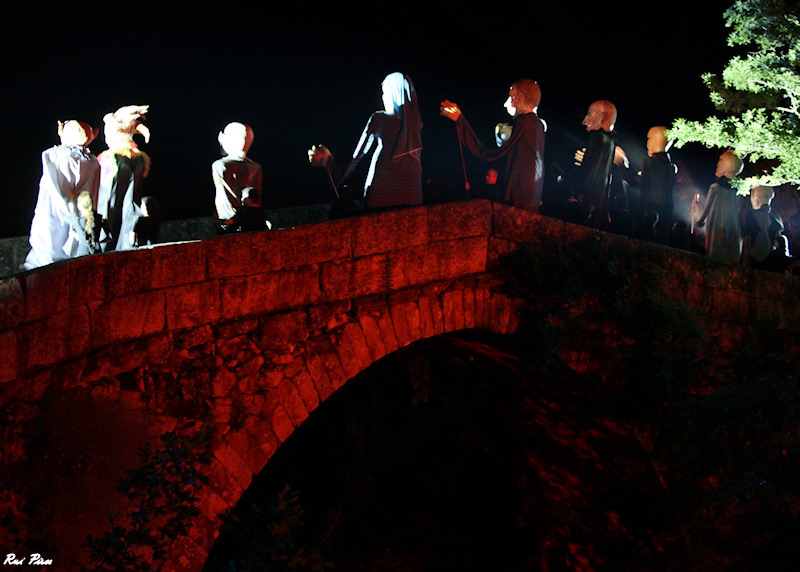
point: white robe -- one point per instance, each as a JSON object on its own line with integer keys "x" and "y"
{"x": 67, "y": 170}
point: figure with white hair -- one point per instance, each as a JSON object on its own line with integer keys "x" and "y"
{"x": 68, "y": 170}
{"x": 238, "y": 180}
{"x": 123, "y": 167}
{"x": 394, "y": 139}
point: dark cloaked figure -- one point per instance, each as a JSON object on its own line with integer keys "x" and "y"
{"x": 657, "y": 180}
{"x": 723, "y": 238}
{"x": 394, "y": 137}
{"x": 523, "y": 151}
{"x": 596, "y": 162}
{"x": 489, "y": 188}
{"x": 763, "y": 246}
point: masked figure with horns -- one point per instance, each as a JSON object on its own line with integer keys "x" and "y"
{"x": 123, "y": 167}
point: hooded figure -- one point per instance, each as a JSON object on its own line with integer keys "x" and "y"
{"x": 393, "y": 136}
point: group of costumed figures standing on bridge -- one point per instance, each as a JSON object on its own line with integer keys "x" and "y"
{"x": 91, "y": 204}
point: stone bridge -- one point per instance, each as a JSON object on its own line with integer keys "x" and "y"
{"x": 249, "y": 333}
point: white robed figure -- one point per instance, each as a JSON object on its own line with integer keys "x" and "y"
{"x": 67, "y": 170}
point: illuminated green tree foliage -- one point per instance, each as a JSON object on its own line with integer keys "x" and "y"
{"x": 758, "y": 94}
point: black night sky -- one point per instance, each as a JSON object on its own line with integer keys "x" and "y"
{"x": 305, "y": 73}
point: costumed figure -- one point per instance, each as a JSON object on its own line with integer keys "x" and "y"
{"x": 723, "y": 240}
{"x": 595, "y": 163}
{"x": 763, "y": 245}
{"x": 67, "y": 170}
{"x": 656, "y": 181}
{"x": 523, "y": 149}
{"x": 123, "y": 169}
{"x": 236, "y": 177}
{"x": 394, "y": 137}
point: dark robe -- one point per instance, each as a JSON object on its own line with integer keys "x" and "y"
{"x": 595, "y": 176}
{"x": 723, "y": 238}
{"x": 392, "y": 180}
{"x": 657, "y": 180}
{"x": 760, "y": 231}
{"x": 524, "y": 155}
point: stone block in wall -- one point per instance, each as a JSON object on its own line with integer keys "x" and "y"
{"x": 240, "y": 441}
{"x": 8, "y": 356}
{"x": 329, "y": 315}
{"x": 437, "y": 261}
{"x": 316, "y": 244}
{"x": 400, "y": 323}
{"x": 319, "y": 376}
{"x": 12, "y": 302}
{"x": 500, "y": 311}
{"x": 192, "y": 305}
{"x": 320, "y": 348}
{"x": 431, "y": 317}
{"x": 354, "y": 353}
{"x": 460, "y": 219}
{"x": 48, "y": 290}
{"x": 232, "y": 460}
{"x": 729, "y": 305}
{"x": 351, "y": 278}
{"x": 479, "y": 308}
{"x": 186, "y": 553}
{"x": 498, "y": 248}
{"x": 305, "y": 388}
{"x": 372, "y": 336}
{"x": 285, "y": 410}
{"x": 263, "y": 435}
{"x": 118, "y": 359}
{"x": 469, "y": 308}
{"x": 223, "y": 482}
{"x": 193, "y": 338}
{"x": 388, "y": 332}
{"x": 281, "y": 331}
{"x": 211, "y": 503}
{"x": 453, "y": 308}
{"x": 408, "y": 227}
{"x": 243, "y": 254}
{"x": 88, "y": 276}
{"x": 684, "y": 276}
{"x": 389, "y": 231}
{"x": 270, "y": 292}
{"x": 516, "y": 225}
{"x": 127, "y": 318}
{"x": 58, "y": 337}
{"x": 128, "y": 272}
{"x": 176, "y": 264}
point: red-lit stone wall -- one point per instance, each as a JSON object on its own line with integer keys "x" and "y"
{"x": 250, "y": 333}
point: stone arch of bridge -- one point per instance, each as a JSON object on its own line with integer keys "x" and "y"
{"x": 264, "y": 389}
